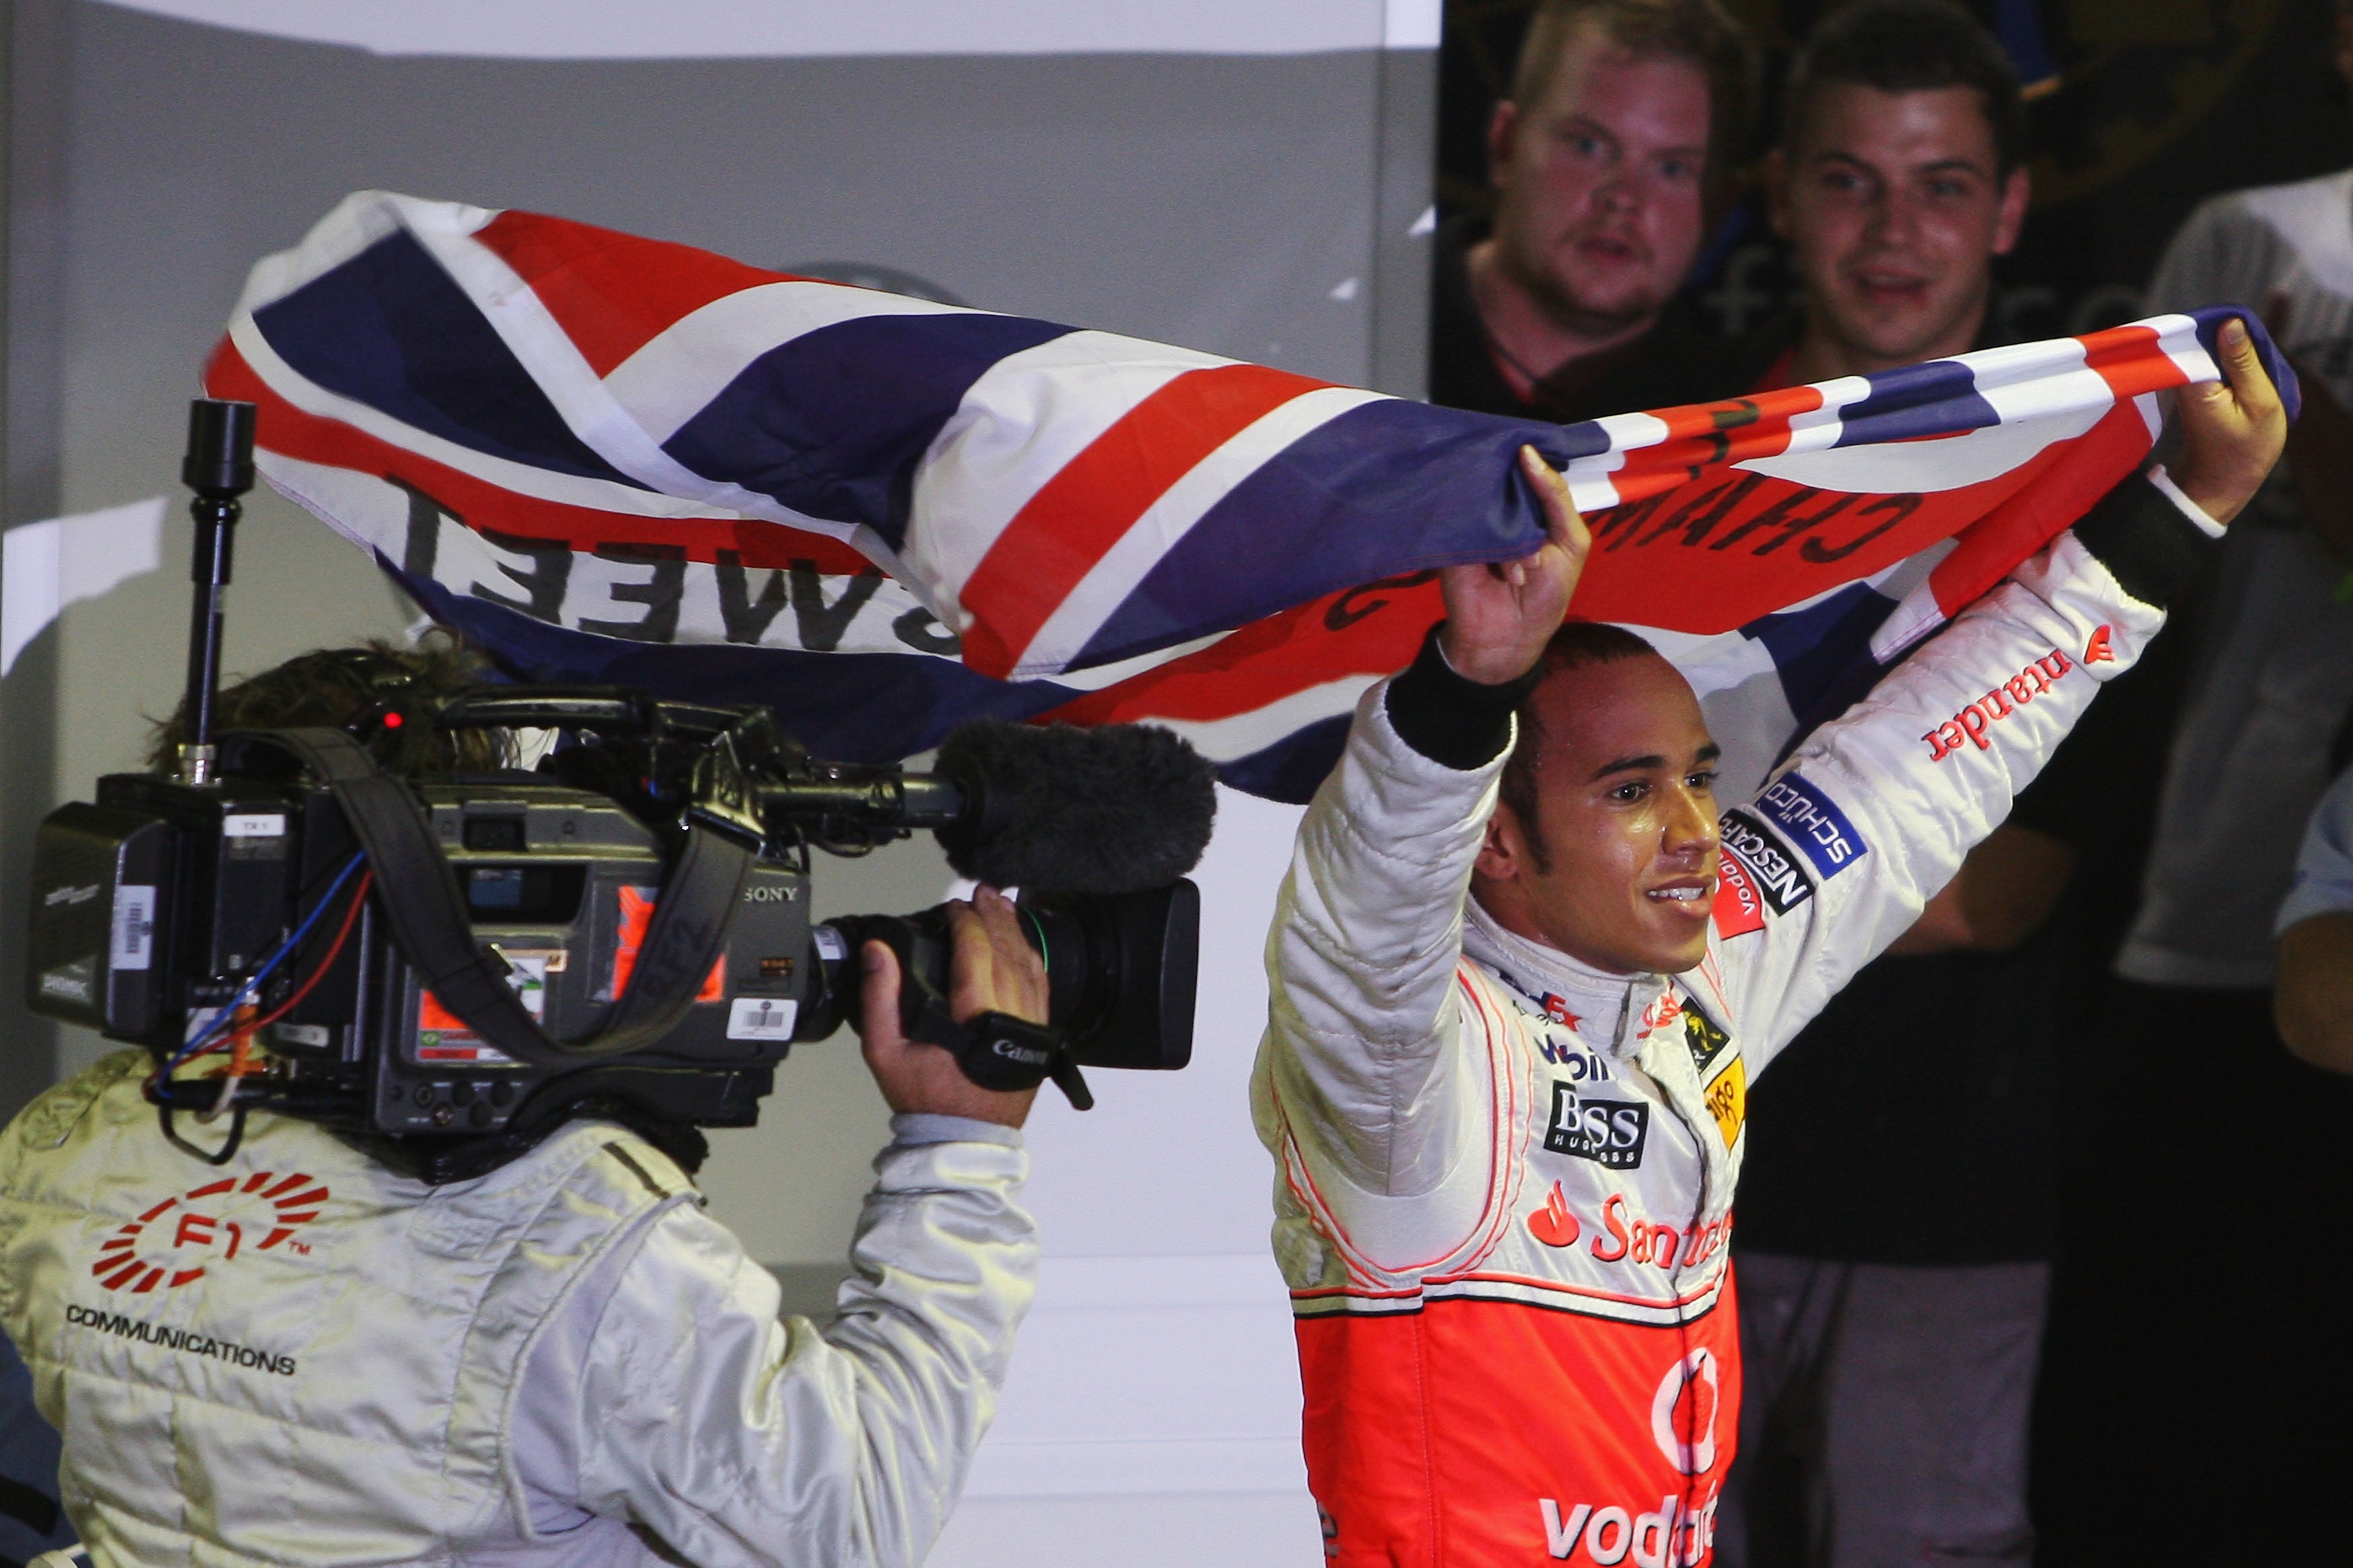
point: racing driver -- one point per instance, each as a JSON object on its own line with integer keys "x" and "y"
{"x": 1506, "y": 1130}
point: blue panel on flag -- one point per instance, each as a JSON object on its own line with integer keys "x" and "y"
{"x": 1814, "y": 650}
{"x": 1809, "y": 819}
{"x": 833, "y": 422}
{"x": 1386, "y": 489}
{"x": 1938, "y": 398}
{"x": 845, "y": 707}
{"x": 390, "y": 328}
{"x": 1294, "y": 767}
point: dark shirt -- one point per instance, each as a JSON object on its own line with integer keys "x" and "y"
{"x": 1680, "y": 360}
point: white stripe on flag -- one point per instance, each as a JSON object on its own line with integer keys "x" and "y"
{"x": 359, "y": 221}
{"x": 2177, "y": 336}
{"x": 676, "y": 372}
{"x": 1164, "y": 523}
{"x": 526, "y": 480}
{"x": 1818, "y": 429}
{"x": 1240, "y": 734}
{"x": 591, "y": 412}
{"x": 1589, "y": 486}
{"x": 1019, "y": 425}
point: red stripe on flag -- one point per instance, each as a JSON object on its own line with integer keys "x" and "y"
{"x": 613, "y": 292}
{"x": 1371, "y": 630}
{"x": 1712, "y": 435}
{"x": 1076, "y": 516}
{"x": 2062, "y": 485}
{"x": 490, "y": 508}
{"x": 2130, "y": 360}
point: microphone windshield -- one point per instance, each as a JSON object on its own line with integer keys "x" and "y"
{"x": 1111, "y": 808}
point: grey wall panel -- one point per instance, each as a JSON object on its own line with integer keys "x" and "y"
{"x": 34, "y": 44}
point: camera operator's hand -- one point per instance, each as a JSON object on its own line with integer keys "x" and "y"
{"x": 991, "y": 969}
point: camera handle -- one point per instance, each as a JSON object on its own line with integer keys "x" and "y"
{"x": 433, "y": 928}
{"x": 996, "y": 1050}
{"x": 219, "y": 468}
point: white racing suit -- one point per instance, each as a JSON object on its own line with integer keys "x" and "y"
{"x": 302, "y": 1358}
{"x": 1504, "y": 1179}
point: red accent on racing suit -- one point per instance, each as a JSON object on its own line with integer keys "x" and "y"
{"x": 1506, "y": 1238}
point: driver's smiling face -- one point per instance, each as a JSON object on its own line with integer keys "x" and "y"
{"x": 1621, "y": 871}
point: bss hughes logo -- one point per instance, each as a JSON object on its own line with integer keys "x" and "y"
{"x": 1610, "y": 1132}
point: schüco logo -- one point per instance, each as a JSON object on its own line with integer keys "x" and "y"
{"x": 173, "y": 1242}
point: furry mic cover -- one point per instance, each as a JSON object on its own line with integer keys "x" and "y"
{"x": 1108, "y": 809}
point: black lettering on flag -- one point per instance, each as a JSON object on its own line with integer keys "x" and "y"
{"x": 660, "y": 593}
{"x": 1792, "y": 526}
{"x": 921, "y": 630}
{"x": 1731, "y": 416}
{"x": 746, "y": 618}
{"x": 1774, "y": 516}
{"x": 1696, "y": 528}
{"x": 423, "y": 546}
{"x": 1900, "y": 507}
{"x": 821, "y": 625}
{"x": 1617, "y": 526}
{"x": 1345, "y": 612}
{"x": 551, "y": 569}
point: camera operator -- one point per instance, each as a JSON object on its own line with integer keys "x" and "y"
{"x": 563, "y": 1361}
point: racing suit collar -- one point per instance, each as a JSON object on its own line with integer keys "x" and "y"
{"x": 1602, "y": 1006}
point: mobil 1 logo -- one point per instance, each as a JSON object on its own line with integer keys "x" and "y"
{"x": 1610, "y": 1132}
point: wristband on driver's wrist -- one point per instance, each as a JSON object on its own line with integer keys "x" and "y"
{"x": 1448, "y": 718}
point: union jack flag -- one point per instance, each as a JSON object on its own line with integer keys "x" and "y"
{"x": 610, "y": 458}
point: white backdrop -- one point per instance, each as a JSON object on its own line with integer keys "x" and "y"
{"x": 719, "y": 30}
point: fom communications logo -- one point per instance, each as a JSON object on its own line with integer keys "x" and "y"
{"x": 173, "y": 1242}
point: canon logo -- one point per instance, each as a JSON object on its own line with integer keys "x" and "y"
{"x": 1019, "y": 1053}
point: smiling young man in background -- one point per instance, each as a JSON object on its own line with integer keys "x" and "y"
{"x": 1899, "y": 1200}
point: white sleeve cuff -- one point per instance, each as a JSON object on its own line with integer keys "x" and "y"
{"x": 2189, "y": 509}
{"x": 913, "y": 1128}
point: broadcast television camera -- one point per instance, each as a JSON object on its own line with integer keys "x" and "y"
{"x": 446, "y": 968}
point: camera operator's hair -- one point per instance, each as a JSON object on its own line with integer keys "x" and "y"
{"x": 335, "y": 688}
{"x": 1575, "y": 645}
{"x": 1699, "y": 32}
{"x": 1910, "y": 45}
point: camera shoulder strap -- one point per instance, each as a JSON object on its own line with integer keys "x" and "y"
{"x": 433, "y": 926}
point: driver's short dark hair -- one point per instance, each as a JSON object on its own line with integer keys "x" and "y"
{"x": 1575, "y": 644}
{"x": 1909, "y": 45}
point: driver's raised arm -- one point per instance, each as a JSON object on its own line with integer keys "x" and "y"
{"x": 1363, "y": 1026}
{"x": 1874, "y": 812}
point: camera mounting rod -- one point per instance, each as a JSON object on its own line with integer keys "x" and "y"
{"x": 219, "y": 468}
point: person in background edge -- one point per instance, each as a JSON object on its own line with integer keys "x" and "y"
{"x": 2313, "y": 1002}
{"x": 1898, "y": 1206}
{"x": 31, "y": 1520}
{"x": 1611, "y": 159}
{"x": 2235, "y": 1256}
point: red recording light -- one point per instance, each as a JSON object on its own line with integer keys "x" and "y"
{"x": 391, "y": 720}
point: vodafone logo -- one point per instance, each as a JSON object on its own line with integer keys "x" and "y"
{"x": 173, "y": 1242}
{"x": 1682, "y": 1413}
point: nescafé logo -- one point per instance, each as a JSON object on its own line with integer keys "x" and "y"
{"x": 173, "y": 1242}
